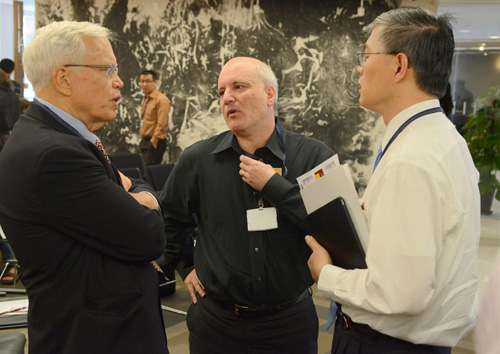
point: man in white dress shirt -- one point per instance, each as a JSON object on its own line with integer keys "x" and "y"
{"x": 418, "y": 294}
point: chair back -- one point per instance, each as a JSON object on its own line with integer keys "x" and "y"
{"x": 128, "y": 160}
{"x": 157, "y": 175}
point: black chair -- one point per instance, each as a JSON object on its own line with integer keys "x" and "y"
{"x": 128, "y": 160}
{"x": 157, "y": 175}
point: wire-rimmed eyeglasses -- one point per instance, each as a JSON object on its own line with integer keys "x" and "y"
{"x": 110, "y": 68}
{"x": 362, "y": 57}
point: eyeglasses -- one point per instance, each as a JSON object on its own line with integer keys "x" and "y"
{"x": 146, "y": 82}
{"x": 111, "y": 68}
{"x": 362, "y": 57}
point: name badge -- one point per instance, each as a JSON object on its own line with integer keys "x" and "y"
{"x": 262, "y": 219}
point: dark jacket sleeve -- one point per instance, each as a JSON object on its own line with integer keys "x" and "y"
{"x": 77, "y": 198}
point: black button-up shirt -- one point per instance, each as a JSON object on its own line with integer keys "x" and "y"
{"x": 205, "y": 190}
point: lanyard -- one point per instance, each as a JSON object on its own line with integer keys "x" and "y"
{"x": 402, "y": 127}
{"x": 282, "y": 144}
{"x": 279, "y": 134}
{"x": 281, "y": 141}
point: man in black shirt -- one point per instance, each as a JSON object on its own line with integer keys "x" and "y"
{"x": 248, "y": 274}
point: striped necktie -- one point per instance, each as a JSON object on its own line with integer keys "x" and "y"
{"x": 101, "y": 148}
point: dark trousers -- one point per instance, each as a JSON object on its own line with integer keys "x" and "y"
{"x": 215, "y": 330}
{"x": 347, "y": 341}
{"x": 150, "y": 155}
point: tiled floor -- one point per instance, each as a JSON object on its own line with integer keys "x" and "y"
{"x": 177, "y": 332}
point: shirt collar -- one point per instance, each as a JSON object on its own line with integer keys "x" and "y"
{"x": 406, "y": 114}
{"x": 273, "y": 144}
{"x": 67, "y": 118}
{"x": 152, "y": 94}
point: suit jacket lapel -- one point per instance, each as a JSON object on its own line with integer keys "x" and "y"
{"x": 46, "y": 116}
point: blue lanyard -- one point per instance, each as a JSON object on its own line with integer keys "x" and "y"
{"x": 401, "y": 128}
{"x": 282, "y": 145}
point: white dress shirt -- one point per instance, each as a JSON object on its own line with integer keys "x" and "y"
{"x": 422, "y": 209}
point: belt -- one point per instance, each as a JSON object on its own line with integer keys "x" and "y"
{"x": 348, "y": 323}
{"x": 258, "y": 311}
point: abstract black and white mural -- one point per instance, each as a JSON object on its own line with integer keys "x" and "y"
{"x": 310, "y": 45}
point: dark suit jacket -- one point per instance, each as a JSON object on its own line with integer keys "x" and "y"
{"x": 83, "y": 243}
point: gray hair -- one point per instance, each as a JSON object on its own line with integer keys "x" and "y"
{"x": 426, "y": 39}
{"x": 267, "y": 75}
{"x": 56, "y": 44}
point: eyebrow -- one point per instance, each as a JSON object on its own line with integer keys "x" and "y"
{"x": 240, "y": 82}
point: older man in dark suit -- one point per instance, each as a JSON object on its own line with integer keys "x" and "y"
{"x": 84, "y": 234}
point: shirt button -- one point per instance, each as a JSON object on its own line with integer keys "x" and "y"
{"x": 254, "y": 193}
{"x": 259, "y": 279}
{"x": 256, "y": 249}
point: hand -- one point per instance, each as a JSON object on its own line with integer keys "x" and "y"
{"x": 127, "y": 183}
{"x": 194, "y": 286}
{"x": 255, "y": 173}
{"x": 154, "y": 141}
{"x": 145, "y": 199}
{"x": 319, "y": 257}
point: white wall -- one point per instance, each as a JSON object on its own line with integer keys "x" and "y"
{"x": 6, "y": 29}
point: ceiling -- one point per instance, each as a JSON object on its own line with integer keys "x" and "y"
{"x": 477, "y": 25}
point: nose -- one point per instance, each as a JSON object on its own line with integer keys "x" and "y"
{"x": 227, "y": 97}
{"x": 360, "y": 70}
{"x": 117, "y": 82}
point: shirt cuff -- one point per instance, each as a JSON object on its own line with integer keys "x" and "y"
{"x": 327, "y": 280}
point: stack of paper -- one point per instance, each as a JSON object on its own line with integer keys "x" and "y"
{"x": 330, "y": 186}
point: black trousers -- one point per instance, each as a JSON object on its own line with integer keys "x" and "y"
{"x": 150, "y": 155}
{"x": 214, "y": 330}
{"x": 347, "y": 341}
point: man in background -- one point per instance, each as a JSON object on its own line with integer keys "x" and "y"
{"x": 155, "y": 108}
{"x": 418, "y": 294}
{"x": 8, "y": 66}
{"x": 83, "y": 233}
{"x": 247, "y": 275}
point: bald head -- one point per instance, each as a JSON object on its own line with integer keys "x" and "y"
{"x": 247, "y": 94}
{"x": 262, "y": 71}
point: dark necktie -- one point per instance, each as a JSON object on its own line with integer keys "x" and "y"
{"x": 101, "y": 148}
{"x": 144, "y": 103}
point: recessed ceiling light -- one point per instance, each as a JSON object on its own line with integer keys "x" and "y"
{"x": 494, "y": 37}
{"x": 465, "y": 31}
{"x": 481, "y": 48}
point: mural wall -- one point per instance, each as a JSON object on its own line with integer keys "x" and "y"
{"x": 310, "y": 45}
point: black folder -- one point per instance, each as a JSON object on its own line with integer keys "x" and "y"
{"x": 332, "y": 227}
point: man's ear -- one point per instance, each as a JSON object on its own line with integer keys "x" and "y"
{"x": 271, "y": 95}
{"x": 402, "y": 66}
{"x": 61, "y": 78}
